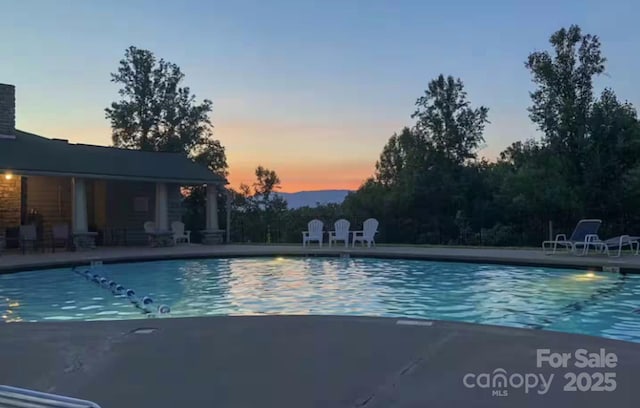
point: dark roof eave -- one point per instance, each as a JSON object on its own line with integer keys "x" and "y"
{"x": 28, "y": 172}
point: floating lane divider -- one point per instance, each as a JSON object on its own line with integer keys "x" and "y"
{"x": 145, "y": 304}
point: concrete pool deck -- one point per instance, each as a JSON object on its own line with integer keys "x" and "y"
{"x": 14, "y": 261}
{"x": 301, "y": 361}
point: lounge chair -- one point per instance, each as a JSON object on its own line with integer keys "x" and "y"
{"x": 369, "y": 230}
{"x": 179, "y": 234}
{"x": 341, "y": 232}
{"x": 21, "y": 397}
{"x": 584, "y": 235}
{"x": 314, "y": 232}
{"x": 618, "y": 243}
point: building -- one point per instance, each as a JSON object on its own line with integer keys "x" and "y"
{"x": 100, "y": 192}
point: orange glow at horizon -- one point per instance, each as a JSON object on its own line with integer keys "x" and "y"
{"x": 306, "y": 157}
{"x": 312, "y": 176}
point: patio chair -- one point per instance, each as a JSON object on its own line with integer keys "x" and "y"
{"x": 314, "y": 232}
{"x": 150, "y": 227}
{"x": 369, "y": 230}
{"x": 60, "y": 236}
{"x": 150, "y": 230}
{"x": 179, "y": 234}
{"x": 22, "y": 397}
{"x": 618, "y": 243}
{"x": 28, "y": 235}
{"x": 584, "y": 235}
{"x": 340, "y": 233}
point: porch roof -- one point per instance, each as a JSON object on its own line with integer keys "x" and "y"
{"x": 32, "y": 154}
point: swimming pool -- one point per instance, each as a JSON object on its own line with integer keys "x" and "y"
{"x": 594, "y": 303}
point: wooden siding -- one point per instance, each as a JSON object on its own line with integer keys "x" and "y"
{"x": 51, "y": 197}
{"x": 121, "y": 212}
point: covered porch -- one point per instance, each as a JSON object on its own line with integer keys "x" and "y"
{"x": 98, "y": 196}
{"x": 102, "y": 212}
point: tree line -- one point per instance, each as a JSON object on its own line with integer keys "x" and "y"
{"x": 429, "y": 185}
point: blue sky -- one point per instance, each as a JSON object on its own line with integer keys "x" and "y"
{"x": 312, "y": 89}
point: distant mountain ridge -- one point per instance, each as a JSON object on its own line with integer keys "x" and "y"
{"x": 313, "y": 198}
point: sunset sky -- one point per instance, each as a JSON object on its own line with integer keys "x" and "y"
{"x": 311, "y": 89}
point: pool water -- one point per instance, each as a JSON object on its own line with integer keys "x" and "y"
{"x": 595, "y": 303}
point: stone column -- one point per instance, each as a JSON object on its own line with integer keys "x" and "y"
{"x": 82, "y": 238}
{"x": 162, "y": 207}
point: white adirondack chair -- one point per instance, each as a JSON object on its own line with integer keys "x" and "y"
{"x": 314, "y": 232}
{"x": 369, "y": 230}
{"x": 341, "y": 232}
{"x": 179, "y": 234}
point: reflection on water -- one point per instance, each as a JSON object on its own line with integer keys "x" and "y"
{"x": 566, "y": 300}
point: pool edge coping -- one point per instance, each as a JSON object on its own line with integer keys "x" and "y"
{"x": 589, "y": 264}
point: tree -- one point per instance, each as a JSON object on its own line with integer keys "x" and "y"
{"x": 157, "y": 113}
{"x": 401, "y": 158}
{"x": 564, "y": 94}
{"x": 446, "y": 119}
{"x": 258, "y": 206}
{"x": 267, "y": 182}
{"x": 613, "y": 150}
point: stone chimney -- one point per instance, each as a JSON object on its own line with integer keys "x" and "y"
{"x": 7, "y": 111}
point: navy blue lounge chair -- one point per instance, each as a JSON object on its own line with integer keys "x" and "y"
{"x": 584, "y": 235}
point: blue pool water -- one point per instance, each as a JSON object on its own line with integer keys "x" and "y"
{"x": 600, "y": 304}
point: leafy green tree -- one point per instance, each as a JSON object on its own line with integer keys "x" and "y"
{"x": 401, "y": 159}
{"x": 564, "y": 95}
{"x": 613, "y": 151}
{"x": 157, "y": 113}
{"x": 447, "y": 120}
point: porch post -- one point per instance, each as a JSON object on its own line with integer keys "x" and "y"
{"x": 229, "y": 198}
{"x": 82, "y": 238}
{"x": 80, "y": 223}
{"x": 212, "y": 235}
{"x": 212, "y": 208}
{"x": 162, "y": 207}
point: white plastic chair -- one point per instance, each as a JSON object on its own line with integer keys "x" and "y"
{"x": 314, "y": 232}
{"x": 150, "y": 227}
{"x": 179, "y": 234}
{"x": 341, "y": 232}
{"x": 150, "y": 230}
{"x": 369, "y": 230}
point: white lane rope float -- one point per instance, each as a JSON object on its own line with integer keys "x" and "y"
{"x": 145, "y": 304}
